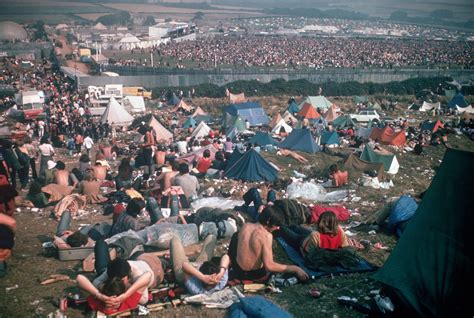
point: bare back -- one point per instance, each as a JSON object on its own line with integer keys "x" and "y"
{"x": 62, "y": 177}
{"x": 251, "y": 240}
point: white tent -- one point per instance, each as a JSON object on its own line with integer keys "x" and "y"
{"x": 199, "y": 112}
{"x": 469, "y": 109}
{"x": 160, "y": 131}
{"x": 99, "y": 26}
{"x": 287, "y": 116}
{"x": 201, "y": 130}
{"x": 115, "y": 114}
{"x": 134, "y": 104}
{"x": 281, "y": 124}
{"x": 317, "y": 102}
{"x": 429, "y": 106}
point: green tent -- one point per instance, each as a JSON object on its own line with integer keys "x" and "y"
{"x": 190, "y": 122}
{"x": 342, "y": 122}
{"x": 390, "y": 162}
{"x": 251, "y": 167}
{"x": 449, "y": 93}
{"x": 431, "y": 270}
{"x": 239, "y": 124}
{"x": 361, "y": 99}
{"x": 262, "y": 139}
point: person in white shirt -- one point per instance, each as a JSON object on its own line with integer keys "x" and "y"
{"x": 88, "y": 144}
{"x": 47, "y": 151}
{"x": 182, "y": 146}
{"x": 40, "y": 128}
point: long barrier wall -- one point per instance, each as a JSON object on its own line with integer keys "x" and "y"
{"x": 151, "y": 78}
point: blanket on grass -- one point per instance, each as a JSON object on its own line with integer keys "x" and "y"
{"x": 296, "y": 258}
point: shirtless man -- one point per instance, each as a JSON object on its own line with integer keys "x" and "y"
{"x": 62, "y": 176}
{"x": 165, "y": 178}
{"x": 100, "y": 171}
{"x": 250, "y": 249}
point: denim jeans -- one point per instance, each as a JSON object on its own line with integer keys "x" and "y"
{"x": 153, "y": 209}
{"x": 102, "y": 257}
{"x": 253, "y": 196}
{"x": 64, "y": 223}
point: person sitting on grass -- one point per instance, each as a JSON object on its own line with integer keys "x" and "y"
{"x": 121, "y": 284}
{"x": 329, "y": 235}
{"x": 250, "y": 249}
{"x": 39, "y": 198}
{"x": 339, "y": 178}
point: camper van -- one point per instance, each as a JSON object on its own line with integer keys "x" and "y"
{"x": 31, "y": 102}
{"x": 136, "y": 91}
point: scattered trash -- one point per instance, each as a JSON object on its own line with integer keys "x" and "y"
{"x": 347, "y": 298}
{"x": 375, "y": 292}
{"x": 312, "y": 191}
{"x": 372, "y": 232}
{"x": 11, "y": 288}
{"x": 349, "y": 233}
{"x": 356, "y": 199}
{"x": 299, "y": 175}
{"x": 35, "y": 302}
{"x": 384, "y": 304}
{"x": 380, "y": 246}
{"x": 313, "y": 292}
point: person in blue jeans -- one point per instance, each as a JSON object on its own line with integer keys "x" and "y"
{"x": 254, "y": 196}
{"x": 81, "y": 237}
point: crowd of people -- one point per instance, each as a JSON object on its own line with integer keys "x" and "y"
{"x": 299, "y": 52}
{"x": 146, "y": 190}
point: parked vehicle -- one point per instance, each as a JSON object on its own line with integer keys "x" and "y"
{"x": 366, "y": 116}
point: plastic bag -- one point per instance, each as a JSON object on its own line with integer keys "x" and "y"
{"x": 160, "y": 235}
{"x": 312, "y": 191}
{"x": 216, "y": 202}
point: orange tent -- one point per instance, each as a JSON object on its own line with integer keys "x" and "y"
{"x": 275, "y": 120}
{"x": 237, "y": 98}
{"x": 308, "y": 112}
{"x": 331, "y": 114}
{"x": 388, "y": 136}
{"x": 182, "y": 105}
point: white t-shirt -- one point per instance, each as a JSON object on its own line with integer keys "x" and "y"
{"x": 182, "y": 146}
{"x": 46, "y": 149}
{"x": 88, "y": 143}
{"x": 138, "y": 268}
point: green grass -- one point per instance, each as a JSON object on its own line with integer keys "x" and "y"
{"x": 27, "y": 8}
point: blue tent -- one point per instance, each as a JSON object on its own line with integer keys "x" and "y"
{"x": 251, "y": 111}
{"x": 174, "y": 100}
{"x": 234, "y": 157}
{"x": 251, "y": 167}
{"x": 458, "y": 100}
{"x": 262, "y": 139}
{"x": 205, "y": 118}
{"x": 293, "y": 107}
{"x": 300, "y": 139}
{"x": 329, "y": 138}
{"x": 190, "y": 122}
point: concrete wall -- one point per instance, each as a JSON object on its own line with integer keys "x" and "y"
{"x": 151, "y": 78}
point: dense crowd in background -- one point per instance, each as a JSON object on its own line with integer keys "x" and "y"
{"x": 298, "y": 52}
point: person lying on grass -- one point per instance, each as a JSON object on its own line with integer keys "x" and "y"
{"x": 206, "y": 275}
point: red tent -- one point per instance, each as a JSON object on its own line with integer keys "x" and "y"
{"x": 308, "y": 112}
{"x": 388, "y": 136}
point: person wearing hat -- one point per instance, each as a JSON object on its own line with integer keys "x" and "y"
{"x": 49, "y": 173}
